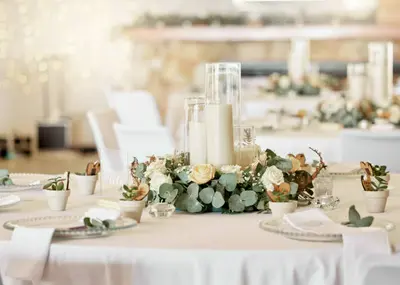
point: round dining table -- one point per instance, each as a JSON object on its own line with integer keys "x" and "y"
{"x": 198, "y": 249}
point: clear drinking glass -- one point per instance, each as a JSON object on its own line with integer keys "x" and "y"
{"x": 222, "y": 111}
{"x": 246, "y": 149}
{"x": 195, "y": 143}
{"x": 323, "y": 191}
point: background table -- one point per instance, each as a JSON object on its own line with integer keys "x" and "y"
{"x": 285, "y": 142}
{"x": 209, "y": 249}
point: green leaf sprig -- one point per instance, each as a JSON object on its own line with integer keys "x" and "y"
{"x": 57, "y": 184}
{"x": 356, "y": 221}
{"x": 96, "y": 223}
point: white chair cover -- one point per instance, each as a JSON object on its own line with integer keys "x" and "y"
{"x": 141, "y": 143}
{"x": 377, "y": 147}
{"x": 136, "y": 109}
{"x": 112, "y": 167}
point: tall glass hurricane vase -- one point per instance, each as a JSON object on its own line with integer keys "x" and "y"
{"x": 222, "y": 111}
{"x": 195, "y": 130}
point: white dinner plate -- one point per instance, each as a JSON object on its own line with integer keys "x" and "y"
{"x": 281, "y": 227}
{"x": 8, "y": 200}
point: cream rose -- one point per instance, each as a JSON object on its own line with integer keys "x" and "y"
{"x": 202, "y": 173}
{"x": 158, "y": 179}
{"x": 154, "y": 167}
{"x": 272, "y": 176}
{"x": 296, "y": 165}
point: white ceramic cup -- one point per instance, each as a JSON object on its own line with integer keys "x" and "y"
{"x": 376, "y": 201}
{"x": 132, "y": 209}
{"x": 57, "y": 199}
{"x": 85, "y": 185}
{"x": 279, "y": 209}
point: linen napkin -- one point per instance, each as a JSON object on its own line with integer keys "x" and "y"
{"x": 103, "y": 214}
{"x": 28, "y": 253}
{"x": 357, "y": 242}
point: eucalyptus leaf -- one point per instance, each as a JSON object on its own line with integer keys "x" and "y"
{"x": 171, "y": 196}
{"x": 193, "y": 190}
{"x": 261, "y": 205}
{"x": 183, "y": 176}
{"x": 218, "y": 200}
{"x": 293, "y": 188}
{"x": 270, "y": 154}
{"x": 206, "y": 195}
{"x": 214, "y": 183}
{"x": 354, "y": 216}
{"x": 220, "y": 188}
{"x": 140, "y": 170}
{"x": 257, "y": 188}
{"x": 125, "y": 187}
{"x": 151, "y": 196}
{"x": 165, "y": 190}
{"x": 364, "y": 222}
{"x": 235, "y": 204}
{"x": 181, "y": 202}
{"x": 193, "y": 206}
{"x": 249, "y": 198}
{"x": 229, "y": 181}
{"x": 179, "y": 187}
{"x": 284, "y": 164}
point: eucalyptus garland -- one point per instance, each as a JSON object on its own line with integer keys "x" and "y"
{"x": 228, "y": 189}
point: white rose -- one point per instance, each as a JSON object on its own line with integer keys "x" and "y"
{"x": 233, "y": 169}
{"x": 284, "y": 82}
{"x": 271, "y": 176}
{"x": 394, "y": 112}
{"x": 154, "y": 167}
{"x": 159, "y": 179}
{"x": 230, "y": 169}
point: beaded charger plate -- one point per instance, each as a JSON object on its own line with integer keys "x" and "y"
{"x": 281, "y": 227}
{"x": 25, "y": 181}
{"x": 70, "y": 226}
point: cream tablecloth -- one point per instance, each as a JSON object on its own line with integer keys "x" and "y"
{"x": 207, "y": 249}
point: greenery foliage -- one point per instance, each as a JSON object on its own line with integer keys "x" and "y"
{"x": 356, "y": 221}
{"x": 229, "y": 189}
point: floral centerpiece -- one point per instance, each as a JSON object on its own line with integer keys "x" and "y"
{"x": 229, "y": 189}
{"x": 309, "y": 86}
{"x": 350, "y": 114}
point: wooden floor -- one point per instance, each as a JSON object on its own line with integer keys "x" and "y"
{"x": 49, "y": 162}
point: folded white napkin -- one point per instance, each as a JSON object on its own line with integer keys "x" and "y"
{"x": 103, "y": 214}
{"x": 357, "y": 242}
{"x": 28, "y": 253}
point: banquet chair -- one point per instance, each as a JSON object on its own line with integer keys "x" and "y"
{"x": 101, "y": 124}
{"x": 377, "y": 147}
{"x": 141, "y": 142}
{"x": 136, "y": 109}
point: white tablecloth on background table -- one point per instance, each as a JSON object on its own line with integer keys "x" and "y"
{"x": 285, "y": 142}
{"x": 204, "y": 249}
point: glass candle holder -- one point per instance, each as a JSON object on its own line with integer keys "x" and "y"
{"x": 222, "y": 111}
{"x": 246, "y": 149}
{"x": 195, "y": 143}
{"x": 380, "y": 60}
{"x": 356, "y": 81}
{"x": 323, "y": 192}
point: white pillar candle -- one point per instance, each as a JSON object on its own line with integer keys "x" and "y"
{"x": 219, "y": 133}
{"x": 245, "y": 155}
{"x": 197, "y": 143}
